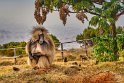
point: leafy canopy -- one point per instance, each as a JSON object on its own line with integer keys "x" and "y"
{"x": 105, "y": 11}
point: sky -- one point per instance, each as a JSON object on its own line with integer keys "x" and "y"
{"x": 17, "y": 20}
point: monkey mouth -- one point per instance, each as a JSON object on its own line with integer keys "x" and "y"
{"x": 41, "y": 42}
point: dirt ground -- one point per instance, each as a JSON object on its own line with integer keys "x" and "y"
{"x": 62, "y": 72}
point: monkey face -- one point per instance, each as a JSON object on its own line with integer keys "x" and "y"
{"x": 41, "y": 38}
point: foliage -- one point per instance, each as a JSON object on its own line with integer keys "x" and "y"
{"x": 103, "y": 49}
{"x": 119, "y": 30}
{"x": 14, "y": 44}
{"x": 103, "y": 43}
{"x": 105, "y": 11}
{"x": 63, "y": 7}
{"x": 120, "y": 40}
{"x": 79, "y": 37}
{"x": 108, "y": 14}
{"x": 91, "y": 32}
{"x": 87, "y": 33}
{"x": 10, "y": 52}
{"x": 55, "y": 40}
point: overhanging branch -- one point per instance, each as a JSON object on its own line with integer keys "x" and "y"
{"x": 84, "y": 10}
{"x": 92, "y": 13}
{"x": 121, "y": 13}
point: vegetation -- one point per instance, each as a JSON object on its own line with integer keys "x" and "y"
{"x": 87, "y": 34}
{"x": 107, "y": 15}
{"x": 91, "y": 32}
{"x": 55, "y": 40}
{"x": 9, "y": 51}
{"x": 103, "y": 49}
{"x": 103, "y": 42}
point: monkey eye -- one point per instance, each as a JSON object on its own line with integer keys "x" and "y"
{"x": 41, "y": 34}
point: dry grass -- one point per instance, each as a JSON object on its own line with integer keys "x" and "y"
{"x": 69, "y": 72}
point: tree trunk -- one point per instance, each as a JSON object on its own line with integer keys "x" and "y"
{"x": 115, "y": 49}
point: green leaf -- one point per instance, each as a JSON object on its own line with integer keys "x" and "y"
{"x": 111, "y": 20}
{"x": 103, "y": 24}
{"x": 97, "y": 10}
{"x": 106, "y": 5}
{"x": 106, "y": 13}
{"x": 94, "y": 20}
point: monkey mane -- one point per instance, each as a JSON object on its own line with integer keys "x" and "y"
{"x": 48, "y": 38}
{"x": 48, "y": 48}
{"x": 39, "y": 28}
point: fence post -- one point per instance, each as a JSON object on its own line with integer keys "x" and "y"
{"x": 14, "y": 55}
{"x": 85, "y": 46}
{"x": 62, "y": 52}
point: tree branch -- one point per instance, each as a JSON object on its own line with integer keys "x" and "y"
{"x": 92, "y": 12}
{"x": 98, "y": 1}
{"x": 121, "y": 13}
{"x": 87, "y": 12}
{"x": 84, "y": 10}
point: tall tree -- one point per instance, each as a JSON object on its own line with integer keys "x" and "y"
{"x": 107, "y": 15}
{"x": 106, "y": 12}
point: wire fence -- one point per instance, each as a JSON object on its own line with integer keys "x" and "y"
{"x": 18, "y": 51}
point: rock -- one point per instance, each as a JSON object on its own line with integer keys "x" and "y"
{"x": 71, "y": 70}
{"x": 16, "y": 69}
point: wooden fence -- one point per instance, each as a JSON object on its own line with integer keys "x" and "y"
{"x": 61, "y": 45}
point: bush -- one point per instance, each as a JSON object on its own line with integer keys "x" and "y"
{"x": 104, "y": 45}
{"x": 103, "y": 49}
{"x": 55, "y": 40}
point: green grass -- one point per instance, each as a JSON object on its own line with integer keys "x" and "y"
{"x": 121, "y": 58}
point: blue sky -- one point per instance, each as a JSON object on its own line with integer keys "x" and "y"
{"x": 17, "y": 20}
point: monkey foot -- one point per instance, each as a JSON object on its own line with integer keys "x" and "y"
{"x": 45, "y": 69}
{"x": 36, "y": 67}
{"x": 42, "y": 69}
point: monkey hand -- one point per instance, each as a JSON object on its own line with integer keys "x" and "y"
{"x": 30, "y": 56}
